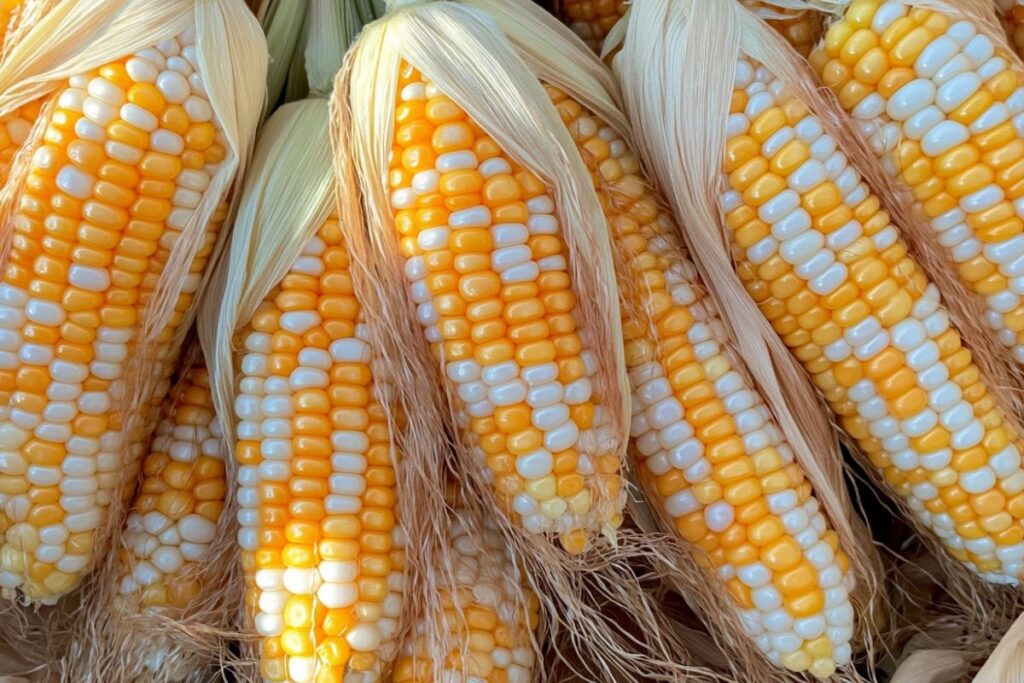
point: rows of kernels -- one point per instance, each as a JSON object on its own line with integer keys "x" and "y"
{"x": 708, "y": 444}
{"x": 591, "y": 20}
{"x": 125, "y": 159}
{"x": 944, "y": 109}
{"x": 321, "y": 548}
{"x": 174, "y": 519}
{"x": 487, "y": 622}
{"x": 801, "y": 30}
{"x": 830, "y": 271}
{"x": 488, "y": 271}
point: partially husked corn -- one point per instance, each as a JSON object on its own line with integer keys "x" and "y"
{"x": 321, "y": 546}
{"x": 488, "y": 269}
{"x": 943, "y": 106}
{"x": 489, "y": 617}
{"x": 820, "y": 255}
{"x": 709, "y": 445}
{"x": 174, "y": 520}
{"x": 127, "y": 156}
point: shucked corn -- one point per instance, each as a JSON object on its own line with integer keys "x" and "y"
{"x": 714, "y": 455}
{"x": 943, "y": 107}
{"x": 487, "y": 267}
{"x": 127, "y": 155}
{"x": 821, "y": 257}
{"x": 321, "y": 547}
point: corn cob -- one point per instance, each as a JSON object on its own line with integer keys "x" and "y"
{"x": 820, "y": 256}
{"x": 941, "y": 104}
{"x": 169, "y": 531}
{"x": 126, "y": 158}
{"x": 489, "y": 628}
{"x": 321, "y": 547}
{"x": 710, "y": 447}
{"x": 487, "y": 267}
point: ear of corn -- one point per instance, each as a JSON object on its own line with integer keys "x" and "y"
{"x": 711, "y": 449}
{"x": 487, "y": 267}
{"x": 121, "y": 175}
{"x": 167, "y": 567}
{"x": 821, "y": 257}
{"x": 489, "y": 615}
{"x": 322, "y": 550}
{"x": 830, "y": 271}
{"x": 941, "y": 104}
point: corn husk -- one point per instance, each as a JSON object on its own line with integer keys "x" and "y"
{"x": 557, "y": 57}
{"x": 681, "y": 125}
{"x": 284, "y": 22}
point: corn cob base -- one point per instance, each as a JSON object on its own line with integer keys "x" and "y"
{"x": 944, "y": 109}
{"x": 321, "y": 548}
{"x": 488, "y": 271}
{"x": 493, "y": 643}
{"x": 829, "y": 270}
{"x": 125, "y": 160}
